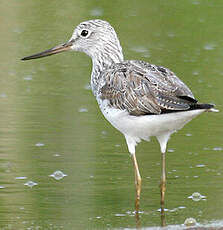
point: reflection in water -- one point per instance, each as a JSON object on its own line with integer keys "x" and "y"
{"x": 138, "y": 223}
{"x": 162, "y": 218}
{"x": 162, "y": 215}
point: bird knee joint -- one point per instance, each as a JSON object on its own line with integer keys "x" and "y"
{"x": 162, "y": 186}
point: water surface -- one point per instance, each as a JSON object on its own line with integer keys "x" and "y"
{"x": 50, "y": 120}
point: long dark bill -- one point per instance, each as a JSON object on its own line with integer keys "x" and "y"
{"x": 54, "y": 50}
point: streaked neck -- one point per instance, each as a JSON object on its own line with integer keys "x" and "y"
{"x": 102, "y": 60}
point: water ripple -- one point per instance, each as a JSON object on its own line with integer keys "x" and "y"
{"x": 58, "y": 175}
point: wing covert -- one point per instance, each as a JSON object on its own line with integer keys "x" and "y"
{"x": 142, "y": 88}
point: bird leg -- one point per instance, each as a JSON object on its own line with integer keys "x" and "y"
{"x": 163, "y": 181}
{"x": 163, "y": 139}
{"x": 138, "y": 181}
{"x": 163, "y": 189}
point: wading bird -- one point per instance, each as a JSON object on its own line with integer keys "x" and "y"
{"x": 139, "y": 99}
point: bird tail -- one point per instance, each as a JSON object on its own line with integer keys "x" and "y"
{"x": 208, "y": 107}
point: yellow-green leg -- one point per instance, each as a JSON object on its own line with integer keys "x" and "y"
{"x": 138, "y": 182}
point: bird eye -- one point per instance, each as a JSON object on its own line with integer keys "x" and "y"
{"x": 84, "y": 33}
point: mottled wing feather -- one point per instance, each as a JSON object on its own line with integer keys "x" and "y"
{"x": 141, "y": 88}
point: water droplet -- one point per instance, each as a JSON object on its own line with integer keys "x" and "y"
{"x": 217, "y": 148}
{"x": 201, "y": 20}
{"x": 21, "y": 178}
{"x": 195, "y": 73}
{"x": 188, "y": 134}
{"x": 28, "y": 78}
{"x": 200, "y": 166}
{"x": 190, "y": 222}
{"x": 119, "y": 214}
{"x": 196, "y": 196}
{"x": 171, "y": 34}
{"x": 39, "y": 144}
{"x": 104, "y": 133}
{"x": 142, "y": 50}
{"x": 31, "y": 184}
{"x": 170, "y": 150}
{"x": 58, "y": 175}
{"x": 210, "y": 46}
{"x": 97, "y": 12}
{"x": 83, "y": 110}
{"x": 195, "y": 2}
{"x": 205, "y": 148}
{"x": 56, "y": 155}
{"x": 3, "y": 95}
{"x": 18, "y": 30}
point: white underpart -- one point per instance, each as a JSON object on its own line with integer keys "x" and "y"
{"x": 137, "y": 128}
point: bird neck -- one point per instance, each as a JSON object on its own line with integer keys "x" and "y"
{"x": 106, "y": 56}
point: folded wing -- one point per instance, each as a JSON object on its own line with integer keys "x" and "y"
{"x": 142, "y": 88}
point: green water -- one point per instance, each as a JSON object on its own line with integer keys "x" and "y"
{"x": 50, "y": 120}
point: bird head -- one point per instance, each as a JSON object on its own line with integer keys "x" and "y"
{"x": 93, "y": 37}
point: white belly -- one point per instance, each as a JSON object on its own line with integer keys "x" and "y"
{"x": 143, "y": 127}
{"x": 147, "y": 125}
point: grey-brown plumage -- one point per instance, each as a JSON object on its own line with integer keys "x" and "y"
{"x": 142, "y": 88}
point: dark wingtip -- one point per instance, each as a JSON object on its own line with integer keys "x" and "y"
{"x": 202, "y": 106}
